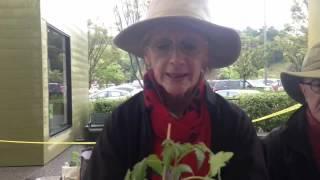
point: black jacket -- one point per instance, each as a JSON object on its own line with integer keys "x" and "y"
{"x": 128, "y": 138}
{"x": 288, "y": 151}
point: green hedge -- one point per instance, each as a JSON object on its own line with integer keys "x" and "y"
{"x": 256, "y": 106}
{"x": 105, "y": 106}
{"x": 259, "y": 105}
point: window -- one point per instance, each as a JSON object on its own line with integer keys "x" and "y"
{"x": 59, "y": 81}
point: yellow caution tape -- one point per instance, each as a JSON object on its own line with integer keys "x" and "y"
{"x": 53, "y": 142}
{"x": 289, "y": 109}
{"x": 284, "y": 111}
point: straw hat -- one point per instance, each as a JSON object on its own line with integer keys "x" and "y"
{"x": 310, "y": 69}
{"x": 224, "y": 43}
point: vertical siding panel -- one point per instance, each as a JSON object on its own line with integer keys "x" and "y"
{"x": 21, "y": 82}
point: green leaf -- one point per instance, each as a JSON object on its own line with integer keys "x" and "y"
{"x": 217, "y": 161}
{"x": 181, "y": 168}
{"x": 167, "y": 142}
{"x": 155, "y": 164}
{"x": 168, "y": 152}
{"x": 182, "y": 150}
{"x": 208, "y": 178}
{"x": 202, "y": 147}
{"x": 167, "y": 156}
{"x": 200, "y": 157}
{"x": 139, "y": 170}
{"x": 128, "y": 175}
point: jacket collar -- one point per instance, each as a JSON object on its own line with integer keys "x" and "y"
{"x": 210, "y": 95}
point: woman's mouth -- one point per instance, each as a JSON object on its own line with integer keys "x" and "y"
{"x": 176, "y": 76}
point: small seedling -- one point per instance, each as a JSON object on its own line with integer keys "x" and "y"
{"x": 75, "y": 159}
{"x": 171, "y": 168}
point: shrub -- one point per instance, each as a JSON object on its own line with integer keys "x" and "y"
{"x": 105, "y": 106}
{"x": 255, "y": 105}
{"x": 259, "y": 105}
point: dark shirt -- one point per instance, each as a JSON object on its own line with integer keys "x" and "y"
{"x": 314, "y": 137}
{"x": 288, "y": 151}
{"x": 128, "y": 137}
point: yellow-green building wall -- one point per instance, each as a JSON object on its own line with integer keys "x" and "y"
{"x": 24, "y": 80}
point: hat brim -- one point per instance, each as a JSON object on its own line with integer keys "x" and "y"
{"x": 224, "y": 43}
{"x": 291, "y": 81}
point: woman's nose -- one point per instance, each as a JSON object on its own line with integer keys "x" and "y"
{"x": 177, "y": 56}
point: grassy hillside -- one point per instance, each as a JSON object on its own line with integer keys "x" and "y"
{"x": 276, "y": 69}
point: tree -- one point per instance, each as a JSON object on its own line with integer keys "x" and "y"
{"x": 293, "y": 40}
{"x": 228, "y": 73}
{"x": 253, "y": 38}
{"x": 294, "y": 49}
{"x": 109, "y": 68}
{"x": 250, "y": 60}
{"x": 248, "y": 63}
{"x": 299, "y": 11}
{"x": 98, "y": 40}
{"x": 273, "y": 52}
{"x": 113, "y": 73}
{"x": 126, "y": 13}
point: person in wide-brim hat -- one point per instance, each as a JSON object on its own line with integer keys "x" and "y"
{"x": 296, "y": 144}
{"x": 178, "y": 44}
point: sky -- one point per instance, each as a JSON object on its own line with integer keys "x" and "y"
{"x": 237, "y": 14}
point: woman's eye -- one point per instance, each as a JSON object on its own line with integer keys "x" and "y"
{"x": 189, "y": 47}
{"x": 163, "y": 46}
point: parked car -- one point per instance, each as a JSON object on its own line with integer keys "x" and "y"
{"x": 110, "y": 94}
{"x": 93, "y": 90}
{"x": 232, "y": 93}
{"x": 228, "y": 84}
{"x": 137, "y": 83}
{"x": 259, "y": 84}
{"x": 127, "y": 87}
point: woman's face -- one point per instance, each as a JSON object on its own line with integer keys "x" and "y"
{"x": 311, "y": 91}
{"x": 177, "y": 57}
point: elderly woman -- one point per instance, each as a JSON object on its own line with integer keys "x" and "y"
{"x": 293, "y": 151}
{"x": 178, "y": 44}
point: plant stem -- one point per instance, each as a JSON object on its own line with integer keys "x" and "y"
{"x": 164, "y": 173}
{"x": 169, "y": 131}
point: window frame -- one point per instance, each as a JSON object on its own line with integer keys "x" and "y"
{"x": 68, "y": 83}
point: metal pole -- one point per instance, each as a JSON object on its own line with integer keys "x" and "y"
{"x": 264, "y": 42}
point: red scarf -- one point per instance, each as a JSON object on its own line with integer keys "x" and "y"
{"x": 193, "y": 127}
{"x": 314, "y": 136}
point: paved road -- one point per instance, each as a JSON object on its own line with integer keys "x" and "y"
{"x": 53, "y": 168}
